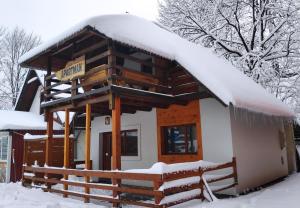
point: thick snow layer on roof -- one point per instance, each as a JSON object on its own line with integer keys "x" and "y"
{"x": 219, "y": 76}
{"x": 19, "y": 120}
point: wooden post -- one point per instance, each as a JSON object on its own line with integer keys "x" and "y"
{"x": 25, "y": 153}
{"x": 116, "y": 134}
{"x": 116, "y": 140}
{"x": 87, "y": 148}
{"x": 201, "y": 184}
{"x": 48, "y": 158}
{"x": 66, "y": 147}
{"x": 48, "y": 81}
{"x": 235, "y": 170}
{"x": 156, "y": 185}
{"x": 74, "y": 90}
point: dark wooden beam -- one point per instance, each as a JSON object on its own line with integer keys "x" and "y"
{"x": 147, "y": 96}
{"x": 139, "y": 104}
{"x": 90, "y": 48}
{"x": 85, "y": 95}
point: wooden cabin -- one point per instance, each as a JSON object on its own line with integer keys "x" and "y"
{"x": 25, "y": 119}
{"x": 13, "y": 126}
{"x": 148, "y": 96}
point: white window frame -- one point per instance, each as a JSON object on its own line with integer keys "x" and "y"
{"x": 7, "y": 161}
{"x": 1, "y": 147}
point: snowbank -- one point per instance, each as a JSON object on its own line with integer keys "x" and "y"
{"x": 218, "y": 75}
{"x": 284, "y": 194}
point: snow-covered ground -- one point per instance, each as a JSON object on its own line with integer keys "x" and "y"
{"x": 284, "y": 194}
{"x": 281, "y": 195}
{"x": 16, "y": 196}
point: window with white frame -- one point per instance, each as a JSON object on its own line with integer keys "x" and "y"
{"x": 3, "y": 148}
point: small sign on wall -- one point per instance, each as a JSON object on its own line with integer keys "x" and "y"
{"x": 107, "y": 120}
{"x": 73, "y": 69}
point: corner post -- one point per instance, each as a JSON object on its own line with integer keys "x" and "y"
{"x": 66, "y": 147}
{"x": 87, "y": 148}
{"x": 235, "y": 170}
{"x": 201, "y": 184}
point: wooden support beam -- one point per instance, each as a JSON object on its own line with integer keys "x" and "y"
{"x": 66, "y": 146}
{"x": 87, "y": 147}
{"x": 116, "y": 140}
{"x": 116, "y": 134}
{"x": 90, "y": 48}
{"x": 48, "y": 158}
{"x": 48, "y": 81}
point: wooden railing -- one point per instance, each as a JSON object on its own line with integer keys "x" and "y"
{"x": 167, "y": 189}
{"x": 108, "y": 70}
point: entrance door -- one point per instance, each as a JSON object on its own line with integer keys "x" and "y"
{"x": 106, "y": 151}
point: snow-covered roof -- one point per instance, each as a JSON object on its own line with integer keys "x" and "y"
{"x": 218, "y": 75}
{"x": 20, "y": 120}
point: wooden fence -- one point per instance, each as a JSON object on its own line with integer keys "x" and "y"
{"x": 34, "y": 152}
{"x": 167, "y": 190}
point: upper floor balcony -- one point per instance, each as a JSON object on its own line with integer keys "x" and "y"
{"x": 90, "y": 67}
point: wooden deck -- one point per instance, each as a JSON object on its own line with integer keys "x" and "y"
{"x": 160, "y": 197}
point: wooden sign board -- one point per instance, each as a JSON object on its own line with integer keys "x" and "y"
{"x": 73, "y": 69}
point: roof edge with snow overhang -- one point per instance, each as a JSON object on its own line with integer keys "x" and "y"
{"x": 219, "y": 76}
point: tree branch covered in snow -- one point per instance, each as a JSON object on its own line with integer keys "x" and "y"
{"x": 260, "y": 37}
{"x": 13, "y": 45}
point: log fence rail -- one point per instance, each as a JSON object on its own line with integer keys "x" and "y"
{"x": 161, "y": 197}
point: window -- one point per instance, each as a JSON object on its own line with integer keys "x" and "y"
{"x": 147, "y": 68}
{"x": 3, "y": 148}
{"x": 129, "y": 142}
{"x": 180, "y": 139}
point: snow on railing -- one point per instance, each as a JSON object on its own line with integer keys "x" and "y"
{"x": 172, "y": 183}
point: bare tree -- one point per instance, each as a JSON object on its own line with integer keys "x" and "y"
{"x": 260, "y": 37}
{"x": 2, "y": 33}
{"x": 14, "y": 44}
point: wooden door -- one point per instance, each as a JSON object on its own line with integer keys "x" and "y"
{"x": 106, "y": 151}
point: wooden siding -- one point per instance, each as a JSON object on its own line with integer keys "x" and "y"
{"x": 18, "y": 146}
{"x": 35, "y": 151}
{"x": 179, "y": 115}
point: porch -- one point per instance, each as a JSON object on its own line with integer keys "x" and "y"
{"x": 171, "y": 184}
{"x": 93, "y": 76}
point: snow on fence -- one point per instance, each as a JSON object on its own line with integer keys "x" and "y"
{"x": 172, "y": 184}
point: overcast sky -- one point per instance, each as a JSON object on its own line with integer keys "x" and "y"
{"x": 48, "y": 18}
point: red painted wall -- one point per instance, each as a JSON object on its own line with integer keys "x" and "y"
{"x": 18, "y": 146}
